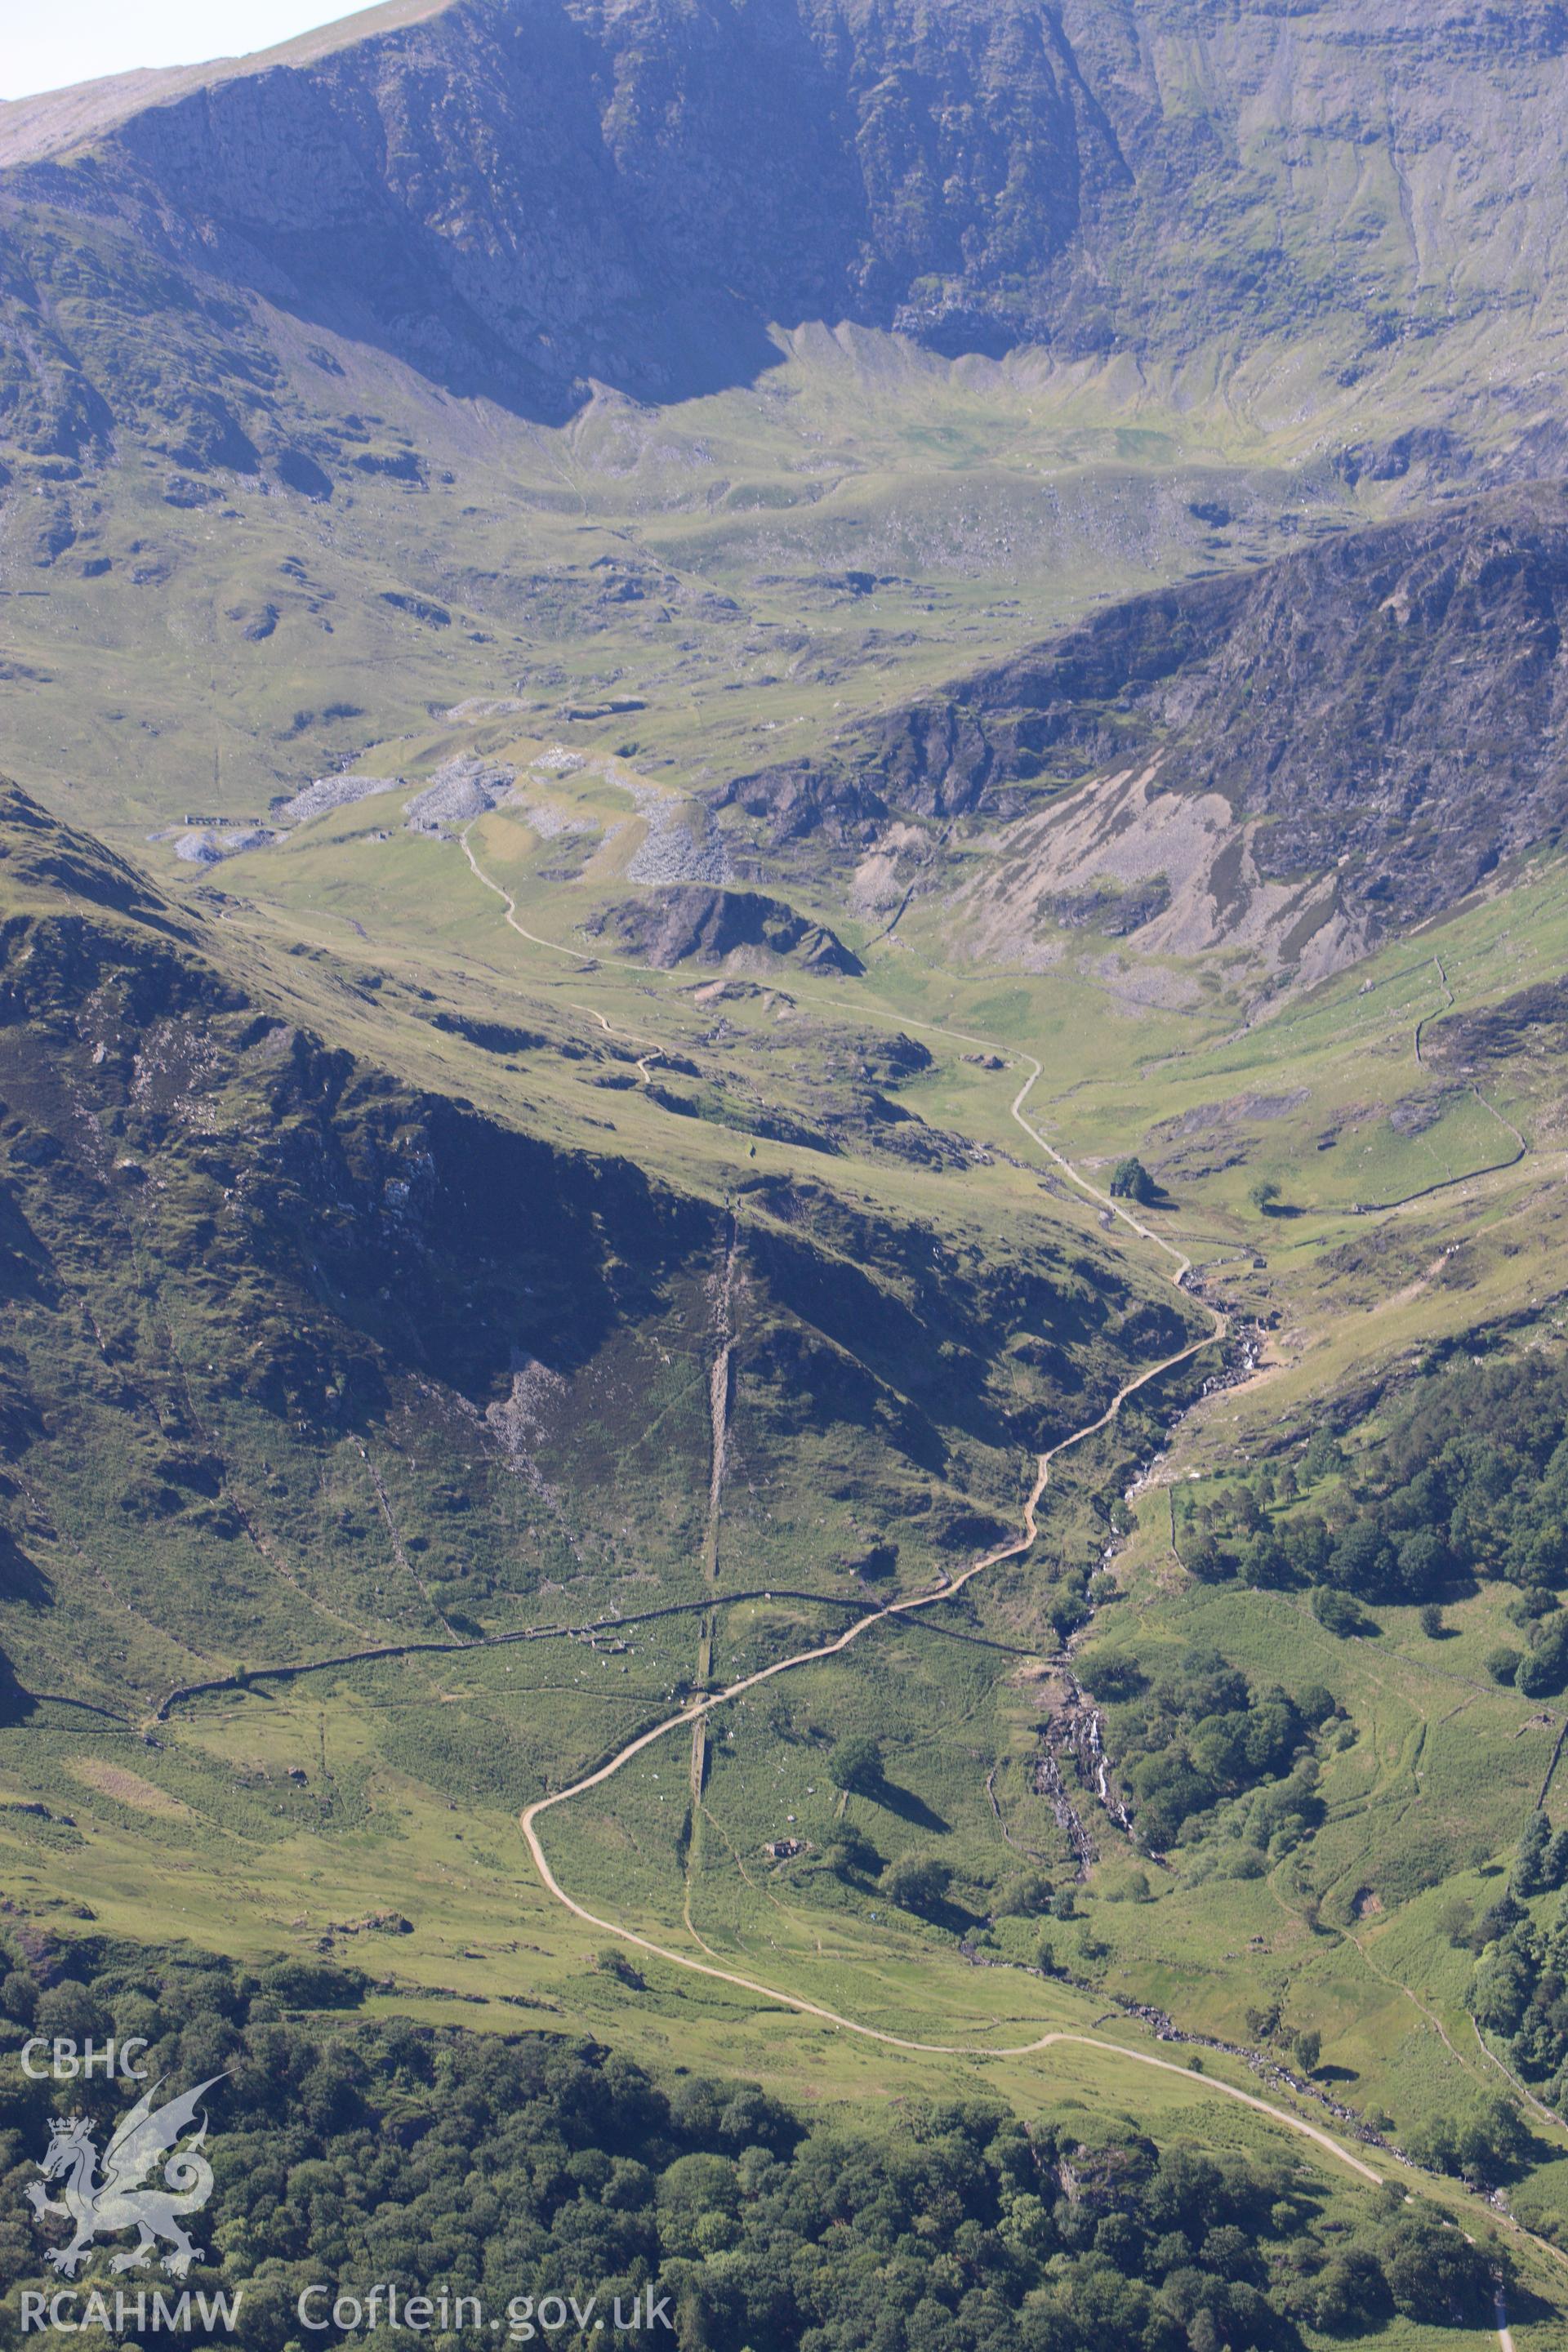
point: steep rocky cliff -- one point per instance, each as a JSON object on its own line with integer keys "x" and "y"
{"x": 517, "y": 197}
{"x": 354, "y": 271}
{"x": 1348, "y": 740}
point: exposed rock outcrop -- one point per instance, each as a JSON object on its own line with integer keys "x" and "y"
{"x": 670, "y": 926}
{"x": 1296, "y": 759}
{"x": 519, "y": 199}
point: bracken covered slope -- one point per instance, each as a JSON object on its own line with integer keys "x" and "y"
{"x": 300, "y": 1357}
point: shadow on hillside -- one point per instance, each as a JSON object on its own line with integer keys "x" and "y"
{"x": 16, "y": 1703}
{"x": 21, "y": 1578}
{"x": 908, "y": 1807}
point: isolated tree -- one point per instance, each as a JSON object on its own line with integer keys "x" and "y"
{"x": 1431, "y": 1622}
{"x": 1308, "y": 2047}
{"x": 1456, "y": 1921}
{"x": 916, "y": 1882}
{"x": 1131, "y": 1181}
{"x": 1338, "y": 1613}
{"x": 1263, "y": 1193}
{"x": 856, "y": 1764}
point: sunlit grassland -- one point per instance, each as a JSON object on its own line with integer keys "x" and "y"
{"x": 1424, "y": 1786}
{"x": 988, "y": 505}
{"x": 1114, "y": 1073}
{"x": 381, "y": 1748}
{"x": 428, "y": 1762}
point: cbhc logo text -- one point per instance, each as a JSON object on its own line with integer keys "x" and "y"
{"x": 69, "y": 2060}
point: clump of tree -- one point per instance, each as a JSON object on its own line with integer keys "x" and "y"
{"x": 1324, "y": 1457}
{"x": 1197, "y": 1733}
{"x": 1540, "y": 1865}
{"x": 850, "y": 1853}
{"x": 1413, "y": 2266}
{"x": 351, "y": 2150}
{"x": 1517, "y": 1988}
{"x": 1518, "y": 1994}
{"x": 1468, "y": 1479}
{"x": 1484, "y": 2147}
{"x": 1304, "y": 2045}
{"x": 855, "y": 1765}
{"x": 918, "y": 1883}
{"x": 1543, "y": 1671}
{"x": 1131, "y": 1181}
{"x": 1112, "y": 1674}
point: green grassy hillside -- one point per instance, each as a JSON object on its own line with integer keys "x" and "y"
{"x": 782, "y": 1117}
{"x": 304, "y": 1463}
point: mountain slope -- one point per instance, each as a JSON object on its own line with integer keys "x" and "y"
{"x": 590, "y": 1164}
{"x": 336, "y": 384}
{"x": 302, "y": 1356}
{"x": 1300, "y": 758}
{"x": 517, "y": 199}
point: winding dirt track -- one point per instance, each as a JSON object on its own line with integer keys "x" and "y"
{"x": 688, "y": 1715}
{"x": 509, "y": 903}
{"x": 693, "y": 1714}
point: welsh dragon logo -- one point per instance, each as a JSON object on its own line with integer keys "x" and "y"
{"x": 100, "y": 2203}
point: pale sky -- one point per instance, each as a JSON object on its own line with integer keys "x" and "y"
{"x": 44, "y": 44}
